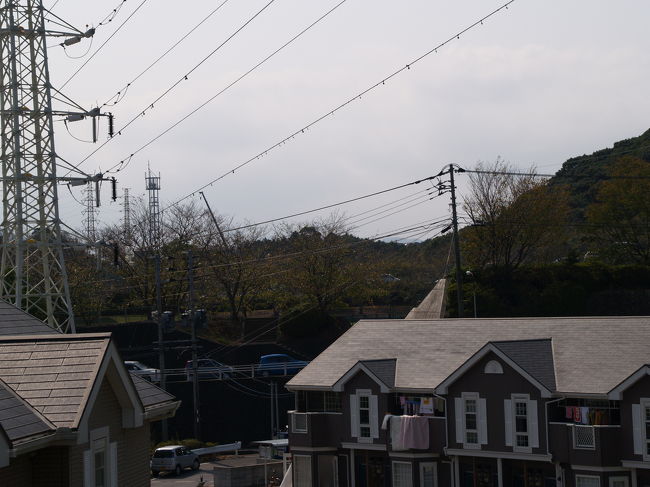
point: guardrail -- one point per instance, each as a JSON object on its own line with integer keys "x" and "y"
{"x": 235, "y": 372}
{"x": 210, "y": 450}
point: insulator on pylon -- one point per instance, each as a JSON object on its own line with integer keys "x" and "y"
{"x": 114, "y": 188}
{"x": 111, "y": 130}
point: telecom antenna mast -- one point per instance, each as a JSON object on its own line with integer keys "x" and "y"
{"x": 33, "y": 275}
{"x": 153, "y": 188}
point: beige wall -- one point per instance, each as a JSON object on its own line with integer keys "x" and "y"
{"x": 132, "y": 444}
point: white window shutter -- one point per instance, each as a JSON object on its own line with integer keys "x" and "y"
{"x": 460, "y": 433}
{"x": 507, "y": 418}
{"x": 533, "y": 428}
{"x": 482, "y": 419}
{"x": 112, "y": 464}
{"x": 354, "y": 415}
{"x": 374, "y": 417}
{"x": 89, "y": 475}
{"x": 636, "y": 429}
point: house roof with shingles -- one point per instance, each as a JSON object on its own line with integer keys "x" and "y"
{"x": 18, "y": 419}
{"x": 534, "y": 356}
{"x": 591, "y": 355}
{"x": 53, "y": 373}
{"x": 14, "y": 321}
{"x": 150, "y": 394}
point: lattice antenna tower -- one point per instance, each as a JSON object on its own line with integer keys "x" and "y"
{"x": 90, "y": 212}
{"x": 152, "y": 183}
{"x": 32, "y": 270}
{"x": 126, "y": 209}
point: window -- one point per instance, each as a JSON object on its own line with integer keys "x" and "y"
{"x": 428, "y": 475}
{"x": 583, "y": 437}
{"x": 618, "y": 482}
{"x": 520, "y": 418}
{"x": 363, "y": 415}
{"x": 302, "y": 470}
{"x": 587, "y": 481}
{"x": 332, "y": 402}
{"x": 298, "y": 422}
{"x": 471, "y": 420}
{"x": 493, "y": 367}
{"x": 99, "y": 449}
{"x": 100, "y": 460}
{"x": 327, "y": 471}
{"x": 521, "y": 423}
{"x": 402, "y": 474}
{"x": 647, "y": 430}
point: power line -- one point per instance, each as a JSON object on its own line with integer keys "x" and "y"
{"x": 119, "y": 96}
{"x": 337, "y": 108}
{"x": 102, "y": 46}
{"x": 121, "y": 164}
{"x": 184, "y": 77}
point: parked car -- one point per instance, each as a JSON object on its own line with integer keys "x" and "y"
{"x": 208, "y": 368}
{"x": 142, "y": 370}
{"x": 279, "y": 364}
{"x": 174, "y": 458}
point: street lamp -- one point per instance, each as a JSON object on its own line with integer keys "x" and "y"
{"x": 470, "y": 275}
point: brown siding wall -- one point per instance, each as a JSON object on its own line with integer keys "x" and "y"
{"x": 19, "y": 472}
{"x": 631, "y": 396}
{"x": 132, "y": 444}
{"x": 495, "y": 388}
{"x": 51, "y": 467}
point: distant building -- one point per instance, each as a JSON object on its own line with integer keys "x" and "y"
{"x": 70, "y": 413}
{"x": 540, "y": 402}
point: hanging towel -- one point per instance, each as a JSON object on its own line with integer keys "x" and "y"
{"x": 568, "y": 414}
{"x": 384, "y": 423}
{"x": 396, "y": 433}
{"x": 584, "y": 415}
{"x": 415, "y": 432}
{"x": 576, "y": 414}
{"x": 426, "y": 405}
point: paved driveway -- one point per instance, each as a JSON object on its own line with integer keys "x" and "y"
{"x": 188, "y": 478}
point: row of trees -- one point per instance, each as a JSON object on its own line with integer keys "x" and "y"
{"x": 511, "y": 221}
{"x": 517, "y": 220}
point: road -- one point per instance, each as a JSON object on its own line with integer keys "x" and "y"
{"x": 188, "y": 478}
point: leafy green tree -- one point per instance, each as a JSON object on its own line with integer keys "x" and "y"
{"x": 515, "y": 219}
{"x": 620, "y": 217}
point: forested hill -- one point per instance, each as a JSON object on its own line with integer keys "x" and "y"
{"x": 581, "y": 174}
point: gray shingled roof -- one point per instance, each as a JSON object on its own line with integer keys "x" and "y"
{"x": 383, "y": 369}
{"x": 534, "y": 356}
{"x": 53, "y": 373}
{"x": 14, "y": 321}
{"x": 591, "y": 354}
{"x": 150, "y": 394}
{"x": 19, "y": 420}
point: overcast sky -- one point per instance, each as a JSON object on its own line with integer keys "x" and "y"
{"x": 535, "y": 84}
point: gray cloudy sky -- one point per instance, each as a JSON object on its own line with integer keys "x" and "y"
{"x": 536, "y": 84}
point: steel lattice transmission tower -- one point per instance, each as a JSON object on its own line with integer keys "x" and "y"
{"x": 90, "y": 212}
{"x": 33, "y": 274}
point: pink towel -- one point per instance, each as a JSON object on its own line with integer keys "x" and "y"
{"x": 415, "y": 432}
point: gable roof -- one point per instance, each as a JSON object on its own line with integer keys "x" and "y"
{"x": 14, "y": 321}
{"x": 533, "y": 356}
{"x": 150, "y": 394}
{"x": 381, "y": 371}
{"x": 591, "y": 355}
{"x": 53, "y": 373}
{"x": 433, "y": 305}
{"x": 18, "y": 419}
{"x": 616, "y": 392}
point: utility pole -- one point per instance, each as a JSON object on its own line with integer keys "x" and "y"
{"x": 195, "y": 365}
{"x": 454, "y": 222}
{"x": 161, "y": 347}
